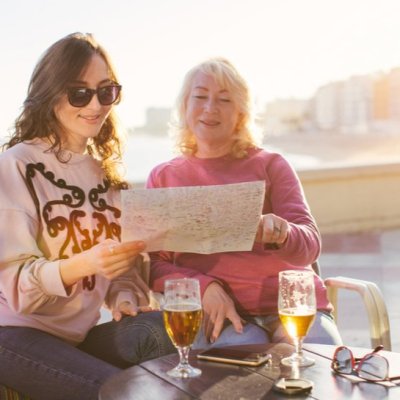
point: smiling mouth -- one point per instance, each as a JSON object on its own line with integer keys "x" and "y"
{"x": 93, "y": 118}
{"x": 210, "y": 123}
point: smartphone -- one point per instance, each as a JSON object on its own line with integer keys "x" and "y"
{"x": 235, "y": 356}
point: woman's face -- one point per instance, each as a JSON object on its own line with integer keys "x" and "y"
{"x": 212, "y": 115}
{"x": 82, "y": 123}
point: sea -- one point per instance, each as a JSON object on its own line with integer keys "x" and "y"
{"x": 143, "y": 152}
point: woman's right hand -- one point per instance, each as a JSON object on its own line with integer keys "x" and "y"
{"x": 109, "y": 259}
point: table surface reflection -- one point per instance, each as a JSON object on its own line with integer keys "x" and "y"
{"x": 149, "y": 380}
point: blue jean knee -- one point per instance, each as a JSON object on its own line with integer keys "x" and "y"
{"x": 129, "y": 341}
{"x": 252, "y": 334}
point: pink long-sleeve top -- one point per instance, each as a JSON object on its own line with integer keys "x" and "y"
{"x": 250, "y": 277}
{"x": 49, "y": 211}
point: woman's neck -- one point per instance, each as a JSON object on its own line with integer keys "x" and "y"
{"x": 213, "y": 151}
{"x": 79, "y": 147}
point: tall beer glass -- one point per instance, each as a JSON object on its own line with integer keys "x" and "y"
{"x": 182, "y": 317}
{"x": 297, "y": 309}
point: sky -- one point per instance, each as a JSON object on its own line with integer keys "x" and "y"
{"x": 283, "y": 48}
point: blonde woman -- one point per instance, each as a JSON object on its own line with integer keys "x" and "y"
{"x": 213, "y": 126}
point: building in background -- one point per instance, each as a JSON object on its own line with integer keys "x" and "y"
{"x": 284, "y": 116}
{"x": 358, "y": 105}
{"x": 157, "y": 119}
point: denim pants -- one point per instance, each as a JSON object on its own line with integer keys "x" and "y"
{"x": 47, "y": 368}
{"x": 260, "y": 330}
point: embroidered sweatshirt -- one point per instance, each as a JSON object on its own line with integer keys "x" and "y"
{"x": 49, "y": 211}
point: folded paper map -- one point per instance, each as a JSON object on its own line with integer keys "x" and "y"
{"x": 195, "y": 219}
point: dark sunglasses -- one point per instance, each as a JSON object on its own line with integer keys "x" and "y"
{"x": 81, "y": 96}
{"x": 372, "y": 367}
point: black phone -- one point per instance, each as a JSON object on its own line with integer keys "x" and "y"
{"x": 235, "y": 356}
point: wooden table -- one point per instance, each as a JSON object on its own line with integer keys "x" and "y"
{"x": 149, "y": 380}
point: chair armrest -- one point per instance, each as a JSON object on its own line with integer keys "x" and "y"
{"x": 373, "y": 301}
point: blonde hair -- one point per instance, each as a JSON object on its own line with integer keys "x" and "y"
{"x": 229, "y": 78}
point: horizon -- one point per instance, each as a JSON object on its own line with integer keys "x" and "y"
{"x": 283, "y": 50}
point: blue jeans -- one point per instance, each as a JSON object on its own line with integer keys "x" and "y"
{"x": 270, "y": 330}
{"x": 47, "y": 368}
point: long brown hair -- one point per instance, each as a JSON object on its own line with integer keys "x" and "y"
{"x": 59, "y": 66}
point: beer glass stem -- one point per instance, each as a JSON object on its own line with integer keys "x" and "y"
{"x": 298, "y": 358}
{"x": 298, "y": 345}
{"x": 183, "y": 357}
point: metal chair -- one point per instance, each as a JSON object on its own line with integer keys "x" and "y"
{"x": 373, "y": 300}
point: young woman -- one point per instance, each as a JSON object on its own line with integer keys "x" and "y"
{"x": 60, "y": 252}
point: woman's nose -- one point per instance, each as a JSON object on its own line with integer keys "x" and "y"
{"x": 94, "y": 103}
{"x": 211, "y": 105}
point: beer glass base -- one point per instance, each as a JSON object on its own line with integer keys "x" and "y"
{"x": 185, "y": 371}
{"x": 294, "y": 360}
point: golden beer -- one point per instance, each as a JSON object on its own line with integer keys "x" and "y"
{"x": 296, "y": 322}
{"x": 182, "y": 322}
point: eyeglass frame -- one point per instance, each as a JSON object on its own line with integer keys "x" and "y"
{"x": 357, "y": 362}
{"x": 92, "y": 93}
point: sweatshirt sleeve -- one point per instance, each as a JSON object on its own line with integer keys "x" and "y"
{"x": 285, "y": 197}
{"x": 28, "y": 280}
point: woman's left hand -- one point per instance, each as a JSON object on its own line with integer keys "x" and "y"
{"x": 272, "y": 229}
{"x": 139, "y": 298}
{"x": 217, "y": 307}
{"x": 128, "y": 308}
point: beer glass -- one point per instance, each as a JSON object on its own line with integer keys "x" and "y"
{"x": 297, "y": 309}
{"x": 182, "y": 318}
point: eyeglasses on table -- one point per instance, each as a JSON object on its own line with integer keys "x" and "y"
{"x": 373, "y": 367}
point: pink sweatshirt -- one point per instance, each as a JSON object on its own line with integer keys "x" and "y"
{"x": 250, "y": 277}
{"x": 50, "y": 211}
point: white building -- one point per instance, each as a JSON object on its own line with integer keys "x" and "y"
{"x": 284, "y": 116}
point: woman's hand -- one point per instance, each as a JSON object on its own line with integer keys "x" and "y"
{"x": 128, "y": 308}
{"x": 112, "y": 259}
{"x": 140, "y": 298}
{"x": 272, "y": 229}
{"x": 109, "y": 259}
{"x": 218, "y": 306}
